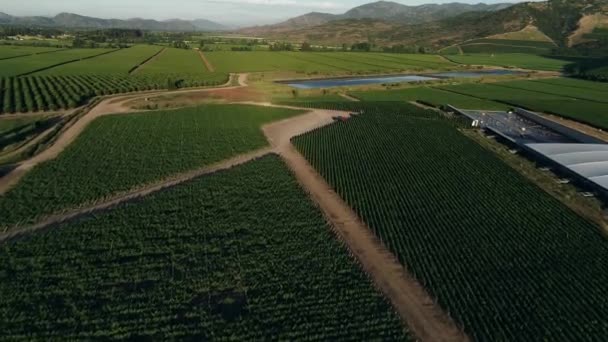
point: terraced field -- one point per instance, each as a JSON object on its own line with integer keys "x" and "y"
{"x": 119, "y": 62}
{"x": 238, "y": 255}
{"x": 33, "y": 63}
{"x": 522, "y": 269}
{"x": 117, "y": 153}
{"x": 333, "y": 62}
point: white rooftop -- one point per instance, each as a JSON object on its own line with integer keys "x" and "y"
{"x": 588, "y": 160}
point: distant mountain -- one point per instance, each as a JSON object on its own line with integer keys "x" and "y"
{"x": 557, "y": 19}
{"x": 70, "y": 20}
{"x": 381, "y": 10}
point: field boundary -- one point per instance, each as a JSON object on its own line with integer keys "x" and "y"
{"x": 136, "y": 68}
{"x": 64, "y": 63}
{"x": 32, "y": 54}
{"x": 208, "y": 65}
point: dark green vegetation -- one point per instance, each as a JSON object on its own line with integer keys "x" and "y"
{"x": 119, "y": 152}
{"x": 429, "y": 96}
{"x": 486, "y": 45}
{"x": 238, "y": 255}
{"x": 42, "y": 93}
{"x": 579, "y": 100}
{"x": 70, "y": 78}
{"x": 512, "y": 60}
{"x": 591, "y": 69}
{"x": 506, "y": 260}
{"x": 14, "y": 132}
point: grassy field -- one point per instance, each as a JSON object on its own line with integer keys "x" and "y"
{"x": 29, "y": 64}
{"x": 11, "y": 51}
{"x": 238, "y": 255}
{"x": 500, "y": 46}
{"x": 119, "y": 62}
{"x": 117, "y": 153}
{"x": 522, "y": 269}
{"x": 322, "y": 62}
{"x": 175, "y": 61}
{"x": 516, "y": 60}
{"x": 431, "y": 96}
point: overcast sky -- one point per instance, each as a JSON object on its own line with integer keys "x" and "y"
{"x": 234, "y": 12}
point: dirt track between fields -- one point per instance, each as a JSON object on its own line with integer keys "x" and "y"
{"x": 208, "y": 64}
{"x": 417, "y": 309}
{"x": 141, "y": 66}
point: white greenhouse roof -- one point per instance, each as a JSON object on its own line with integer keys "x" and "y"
{"x": 588, "y": 160}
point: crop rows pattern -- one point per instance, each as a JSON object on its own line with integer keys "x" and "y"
{"x": 119, "y": 152}
{"x": 41, "y": 93}
{"x": 240, "y": 255}
{"x": 506, "y": 260}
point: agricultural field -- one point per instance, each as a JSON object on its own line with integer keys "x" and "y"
{"x": 430, "y": 96}
{"x": 515, "y": 60}
{"x": 43, "y": 93}
{"x": 522, "y": 269}
{"x": 39, "y": 62}
{"x": 119, "y": 62}
{"x": 120, "y": 152}
{"x": 488, "y": 45}
{"x": 175, "y": 61}
{"x": 237, "y": 255}
{"x": 544, "y": 98}
{"x": 14, "y": 132}
{"x": 323, "y": 62}
{"x": 12, "y": 51}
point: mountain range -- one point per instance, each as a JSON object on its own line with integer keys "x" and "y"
{"x": 70, "y": 20}
{"x": 386, "y": 11}
{"x": 387, "y": 23}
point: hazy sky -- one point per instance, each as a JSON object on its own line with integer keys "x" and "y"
{"x": 240, "y": 12}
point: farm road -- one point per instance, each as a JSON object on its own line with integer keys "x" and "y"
{"x": 417, "y": 309}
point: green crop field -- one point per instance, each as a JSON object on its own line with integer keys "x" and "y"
{"x": 119, "y": 62}
{"x": 240, "y": 255}
{"x": 510, "y": 42}
{"x": 559, "y": 90}
{"x": 41, "y": 93}
{"x": 505, "y": 259}
{"x": 29, "y": 64}
{"x": 323, "y": 62}
{"x": 120, "y": 152}
{"x": 518, "y": 60}
{"x": 432, "y": 96}
{"x": 175, "y": 61}
{"x": 487, "y": 45}
{"x": 12, "y": 51}
{"x": 590, "y": 112}
{"x": 577, "y": 86}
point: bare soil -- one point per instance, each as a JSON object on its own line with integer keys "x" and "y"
{"x": 208, "y": 64}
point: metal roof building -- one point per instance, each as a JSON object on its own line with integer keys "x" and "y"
{"x": 589, "y": 161}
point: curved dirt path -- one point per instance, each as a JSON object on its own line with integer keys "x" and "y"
{"x": 109, "y": 106}
{"x": 416, "y": 308}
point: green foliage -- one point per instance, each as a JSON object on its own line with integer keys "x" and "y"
{"x": 430, "y": 96}
{"x": 118, "y": 153}
{"x": 505, "y": 259}
{"x": 326, "y": 62}
{"x": 178, "y": 61}
{"x": 516, "y": 60}
{"x": 38, "y": 62}
{"x": 581, "y": 103}
{"x": 237, "y": 255}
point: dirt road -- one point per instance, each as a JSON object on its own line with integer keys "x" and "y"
{"x": 208, "y": 64}
{"x": 109, "y": 106}
{"x": 417, "y": 309}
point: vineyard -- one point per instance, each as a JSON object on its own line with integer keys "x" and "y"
{"x": 177, "y": 61}
{"x": 238, "y": 255}
{"x": 42, "y": 93}
{"x": 117, "y": 153}
{"x": 506, "y": 260}
{"x": 323, "y": 62}
{"x": 578, "y": 100}
{"x": 518, "y": 60}
{"x": 39, "y": 62}
{"x": 430, "y": 96}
